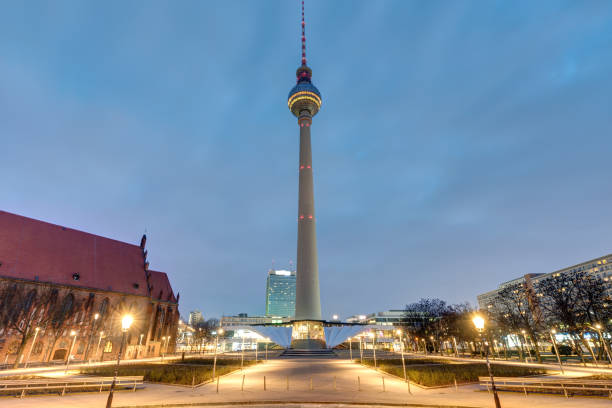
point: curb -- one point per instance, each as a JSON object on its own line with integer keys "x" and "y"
{"x": 300, "y": 403}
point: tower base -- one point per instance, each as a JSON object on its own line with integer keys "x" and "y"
{"x": 308, "y": 335}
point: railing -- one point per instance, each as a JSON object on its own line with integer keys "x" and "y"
{"x": 569, "y": 386}
{"x": 62, "y": 385}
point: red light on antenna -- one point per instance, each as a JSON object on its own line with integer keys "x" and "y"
{"x": 307, "y": 167}
{"x": 301, "y": 217}
{"x": 310, "y": 216}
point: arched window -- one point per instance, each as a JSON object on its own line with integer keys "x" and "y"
{"x": 154, "y": 333}
{"x": 37, "y": 349}
{"x": 68, "y": 305}
{"x": 103, "y": 307}
{"x": 65, "y": 311}
{"x": 108, "y": 347}
{"x": 29, "y": 300}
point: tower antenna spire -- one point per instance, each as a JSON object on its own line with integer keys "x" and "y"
{"x": 303, "y": 36}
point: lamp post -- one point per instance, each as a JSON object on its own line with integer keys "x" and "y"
{"x": 455, "y": 344}
{"x": 360, "y": 351}
{"x": 527, "y": 350}
{"x": 603, "y": 341}
{"x": 554, "y": 342}
{"x": 373, "y": 335}
{"x": 399, "y": 332}
{"x": 99, "y": 341}
{"x": 139, "y": 345}
{"x": 167, "y": 343}
{"x": 73, "y": 334}
{"x": 126, "y": 322}
{"x": 350, "y": 349}
{"x": 479, "y": 322}
{"x": 36, "y": 330}
{"x": 424, "y": 345}
{"x": 220, "y": 331}
{"x": 242, "y": 352}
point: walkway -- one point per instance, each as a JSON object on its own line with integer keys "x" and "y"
{"x": 353, "y": 384}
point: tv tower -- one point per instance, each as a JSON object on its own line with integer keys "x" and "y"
{"x": 304, "y": 102}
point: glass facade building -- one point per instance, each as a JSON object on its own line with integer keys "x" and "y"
{"x": 280, "y": 293}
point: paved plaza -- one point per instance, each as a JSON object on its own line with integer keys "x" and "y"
{"x": 299, "y": 381}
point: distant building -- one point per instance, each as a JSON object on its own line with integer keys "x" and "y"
{"x": 601, "y": 267}
{"x": 195, "y": 318}
{"x": 395, "y": 317}
{"x": 242, "y": 319}
{"x": 280, "y": 293}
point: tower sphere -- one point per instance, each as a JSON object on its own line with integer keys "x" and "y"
{"x": 304, "y": 95}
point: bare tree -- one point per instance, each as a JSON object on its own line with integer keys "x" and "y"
{"x": 59, "y": 314}
{"x": 22, "y": 307}
{"x": 575, "y": 301}
{"x": 515, "y": 309}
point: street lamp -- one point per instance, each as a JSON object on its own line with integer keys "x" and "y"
{"x": 139, "y": 344}
{"x": 360, "y": 349}
{"x": 220, "y": 331}
{"x": 36, "y": 330}
{"x": 373, "y": 335}
{"x": 99, "y": 341}
{"x": 242, "y": 352}
{"x": 528, "y": 355}
{"x": 479, "y": 322}
{"x": 73, "y": 334}
{"x": 399, "y": 333}
{"x": 126, "y": 322}
{"x": 554, "y": 342}
{"x": 335, "y": 317}
{"x": 350, "y": 349}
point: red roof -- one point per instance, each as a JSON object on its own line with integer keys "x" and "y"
{"x": 160, "y": 287}
{"x": 36, "y": 250}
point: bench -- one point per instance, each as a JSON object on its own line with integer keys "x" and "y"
{"x": 69, "y": 384}
{"x": 565, "y": 385}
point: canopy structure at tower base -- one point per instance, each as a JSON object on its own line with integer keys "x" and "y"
{"x": 307, "y": 335}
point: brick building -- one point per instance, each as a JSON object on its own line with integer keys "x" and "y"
{"x": 60, "y": 286}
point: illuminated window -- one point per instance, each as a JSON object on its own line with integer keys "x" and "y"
{"x": 108, "y": 347}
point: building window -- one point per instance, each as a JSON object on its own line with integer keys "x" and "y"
{"x": 108, "y": 347}
{"x": 37, "y": 349}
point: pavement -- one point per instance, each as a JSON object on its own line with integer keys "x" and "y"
{"x": 305, "y": 381}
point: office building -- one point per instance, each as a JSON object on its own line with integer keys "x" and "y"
{"x": 280, "y": 293}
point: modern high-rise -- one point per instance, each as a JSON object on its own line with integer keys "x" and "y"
{"x": 280, "y": 293}
{"x": 195, "y": 317}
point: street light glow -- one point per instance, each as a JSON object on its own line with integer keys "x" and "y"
{"x": 126, "y": 322}
{"x": 96, "y": 316}
{"x": 478, "y": 322}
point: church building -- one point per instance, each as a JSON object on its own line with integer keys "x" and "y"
{"x": 64, "y": 292}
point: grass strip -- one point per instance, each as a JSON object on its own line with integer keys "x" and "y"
{"x": 432, "y": 375}
{"x": 172, "y": 373}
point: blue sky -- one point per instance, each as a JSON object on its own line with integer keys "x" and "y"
{"x": 460, "y": 143}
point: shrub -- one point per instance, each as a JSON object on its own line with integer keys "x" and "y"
{"x": 563, "y": 350}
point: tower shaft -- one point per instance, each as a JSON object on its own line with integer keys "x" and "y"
{"x": 307, "y": 296}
